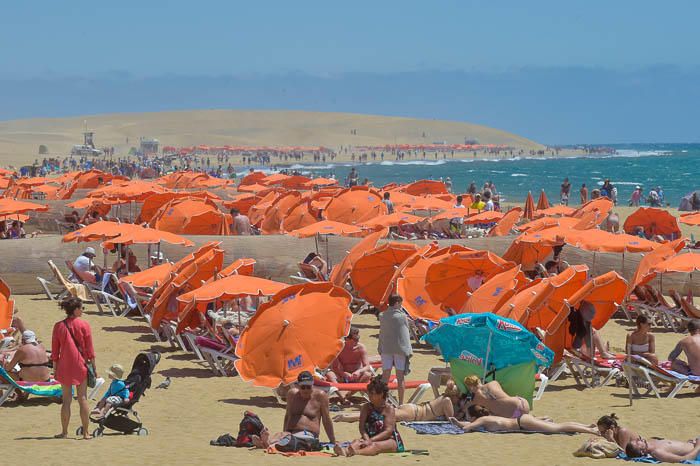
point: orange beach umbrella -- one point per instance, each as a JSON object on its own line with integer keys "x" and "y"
{"x": 542, "y": 202}
{"x": 654, "y": 221}
{"x": 150, "y": 277}
{"x": 300, "y": 328}
{"x": 326, "y": 227}
{"x": 529, "y": 209}
{"x": 447, "y": 279}
{"x": 341, "y": 272}
{"x": 506, "y": 223}
{"x": 355, "y": 205}
{"x": 490, "y": 296}
{"x": 372, "y": 273}
{"x": 645, "y": 270}
{"x": 12, "y": 206}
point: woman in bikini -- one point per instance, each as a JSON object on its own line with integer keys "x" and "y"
{"x": 377, "y": 424}
{"x": 641, "y": 341}
{"x": 450, "y": 404}
{"x": 612, "y": 432}
{"x": 493, "y": 397}
{"x": 32, "y": 359}
{"x": 483, "y": 420}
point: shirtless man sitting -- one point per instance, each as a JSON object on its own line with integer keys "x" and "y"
{"x": 352, "y": 364}
{"x": 689, "y": 345}
{"x": 667, "y": 451}
{"x": 307, "y": 407}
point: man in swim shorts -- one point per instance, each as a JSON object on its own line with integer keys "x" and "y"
{"x": 667, "y": 451}
{"x": 307, "y": 407}
{"x": 689, "y": 345}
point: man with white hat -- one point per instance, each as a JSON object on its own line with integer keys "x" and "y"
{"x": 85, "y": 269}
{"x": 31, "y": 358}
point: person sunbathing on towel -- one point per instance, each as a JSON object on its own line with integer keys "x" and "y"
{"x": 441, "y": 408}
{"x": 613, "y": 432}
{"x": 493, "y": 397}
{"x": 352, "y": 364}
{"x": 689, "y": 345}
{"x": 483, "y": 420}
{"x": 667, "y": 451}
{"x": 307, "y": 407}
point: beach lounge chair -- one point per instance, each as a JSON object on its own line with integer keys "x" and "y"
{"x": 116, "y": 304}
{"x": 308, "y": 273}
{"x": 9, "y": 388}
{"x": 643, "y": 375}
{"x": 591, "y": 373}
{"x": 46, "y": 285}
{"x": 419, "y": 387}
{"x": 78, "y": 290}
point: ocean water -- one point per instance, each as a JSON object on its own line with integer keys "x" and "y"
{"x": 674, "y": 167}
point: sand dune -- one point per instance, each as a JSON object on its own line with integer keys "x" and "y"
{"x": 20, "y": 139}
{"x": 198, "y": 407}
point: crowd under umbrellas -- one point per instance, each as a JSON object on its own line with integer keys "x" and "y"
{"x": 441, "y": 287}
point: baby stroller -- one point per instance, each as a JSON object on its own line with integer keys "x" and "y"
{"x": 123, "y": 418}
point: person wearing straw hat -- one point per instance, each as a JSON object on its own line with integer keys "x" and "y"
{"x": 116, "y": 395}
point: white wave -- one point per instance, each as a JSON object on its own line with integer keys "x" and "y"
{"x": 389, "y": 163}
{"x": 621, "y": 183}
{"x": 300, "y": 166}
{"x": 643, "y": 153}
{"x": 518, "y": 174}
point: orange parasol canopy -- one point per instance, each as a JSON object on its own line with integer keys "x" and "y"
{"x": 300, "y": 328}
{"x": 603, "y": 241}
{"x": 243, "y": 202}
{"x": 410, "y": 285}
{"x": 645, "y": 273}
{"x": 341, "y": 272}
{"x": 152, "y": 203}
{"x": 692, "y": 218}
{"x": 327, "y": 227}
{"x": 272, "y": 220}
{"x": 602, "y": 204}
{"x": 529, "y": 209}
{"x": 447, "y": 279}
{"x": 242, "y": 266}
{"x": 392, "y": 220}
{"x": 355, "y": 205}
{"x": 225, "y": 289}
{"x": 321, "y": 182}
{"x": 144, "y": 235}
{"x": 299, "y": 216}
{"x": 128, "y": 190}
{"x": 407, "y": 202}
{"x": 543, "y": 202}
{"x": 451, "y": 249}
{"x": 187, "y": 274}
{"x": 554, "y": 210}
{"x": 12, "y": 206}
{"x": 100, "y": 231}
{"x": 252, "y": 178}
{"x": 504, "y": 226}
{"x": 548, "y": 222}
{"x": 525, "y": 253}
{"x": 603, "y": 292}
{"x": 252, "y": 188}
{"x": 150, "y": 277}
{"x": 423, "y": 187}
{"x": 191, "y": 216}
{"x": 680, "y": 263}
{"x": 11, "y": 218}
{"x": 373, "y": 272}
{"x": 487, "y": 216}
{"x": 490, "y": 296}
{"x": 295, "y": 182}
{"x": 654, "y": 221}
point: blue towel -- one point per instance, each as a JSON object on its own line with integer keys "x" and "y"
{"x": 652, "y": 460}
{"x": 440, "y": 428}
{"x": 434, "y": 428}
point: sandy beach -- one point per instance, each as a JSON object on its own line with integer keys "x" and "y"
{"x": 198, "y": 407}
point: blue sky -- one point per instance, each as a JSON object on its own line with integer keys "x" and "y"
{"x": 555, "y": 71}
{"x": 233, "y": 37}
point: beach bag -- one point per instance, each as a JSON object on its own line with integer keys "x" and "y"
{"x": 250, "y": 425}
{"x": 91, "y": 376}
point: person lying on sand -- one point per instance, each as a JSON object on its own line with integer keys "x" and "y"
{"x": 306, "y": 408}
{"x": 495, "y": 399}
{"x": 667, "y": 451}
{"x": 377, "y": 424}
{"x": 441, "y": 408}
{"x": 485, "y": 421}
{"x": 613, "y": 432}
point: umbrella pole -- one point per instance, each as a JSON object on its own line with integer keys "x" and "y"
{"x": 623, "y": 263}
{"x": 158, "y": 254}
{"x": 486, "y": 360}
{"x": 316, "y": 241}
{"x": 328, "y": 257}
{"x": 593, "y": 270}
{"x": 148, "y": 256}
